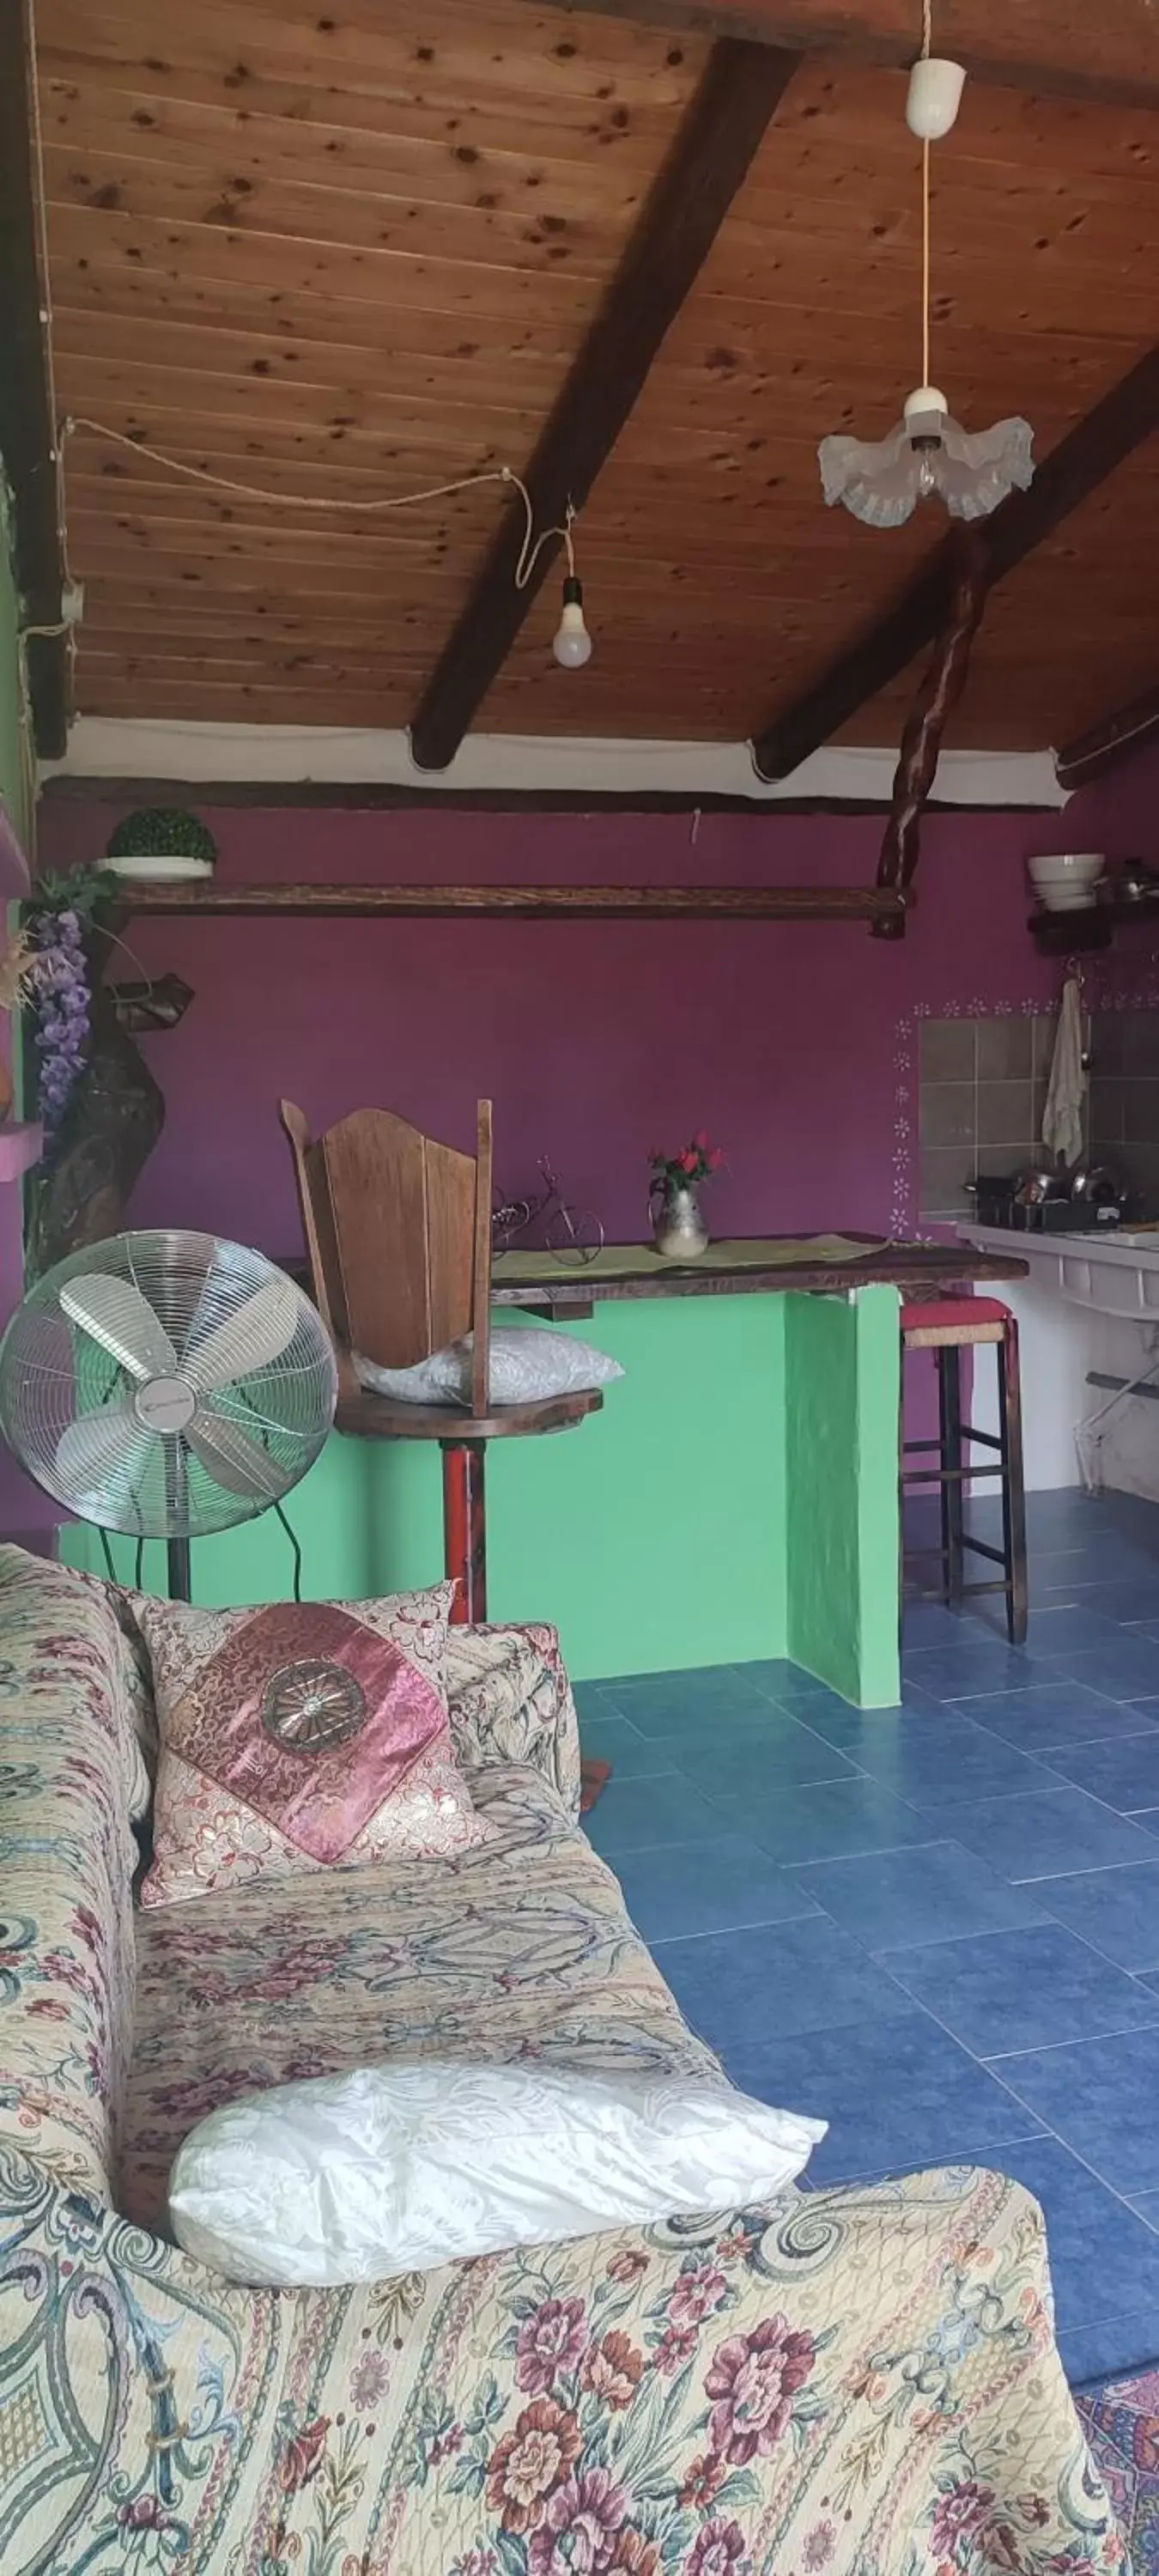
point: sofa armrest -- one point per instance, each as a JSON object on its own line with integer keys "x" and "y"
{"x": 510, "y": 1701}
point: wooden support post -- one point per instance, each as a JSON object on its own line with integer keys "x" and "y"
{"x": 465, "y": 1529}
{"x": 940, "y": 690}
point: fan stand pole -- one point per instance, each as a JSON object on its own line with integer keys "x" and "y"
{"x": 177, "y": 1548}
{"x": 180, "y": 1573}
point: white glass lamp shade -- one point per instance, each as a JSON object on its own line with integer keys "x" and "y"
{"x": 882, "y": 480}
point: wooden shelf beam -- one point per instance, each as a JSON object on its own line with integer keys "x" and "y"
{"x": 1108, "y": 54}
{"x": 521, "y": 902}
{"x": 1108, "y": 433}
{"x": 739, "y": 93}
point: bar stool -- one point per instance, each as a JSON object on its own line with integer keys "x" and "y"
{"x": 948, "y": 1326}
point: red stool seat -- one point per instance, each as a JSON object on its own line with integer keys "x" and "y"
{"x": 941, "y": 1322}
{"x": 954, "y": 1310}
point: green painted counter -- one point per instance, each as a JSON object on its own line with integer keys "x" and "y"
{"x": 660, "y": 1533}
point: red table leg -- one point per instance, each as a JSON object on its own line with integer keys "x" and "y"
{"x": 465, "y": 1529}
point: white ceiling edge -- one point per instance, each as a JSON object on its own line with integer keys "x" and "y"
{"x": 268, "y": 755}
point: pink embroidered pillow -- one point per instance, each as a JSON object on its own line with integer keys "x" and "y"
{"x": 299, "y": 1737}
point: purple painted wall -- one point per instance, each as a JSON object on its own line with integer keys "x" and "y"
{"x": 594, "y": 1039}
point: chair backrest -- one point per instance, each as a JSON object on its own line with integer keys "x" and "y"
{"x": 398, "y": 1230}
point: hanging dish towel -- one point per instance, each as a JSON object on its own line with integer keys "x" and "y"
{"x": 1062, "y": 1118}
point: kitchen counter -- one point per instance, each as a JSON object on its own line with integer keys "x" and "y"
{"x": 826, "y": 1265}
{"x": 1088, "y": 1312}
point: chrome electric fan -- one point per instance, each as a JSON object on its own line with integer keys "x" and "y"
{"x": 167, "y": 1384}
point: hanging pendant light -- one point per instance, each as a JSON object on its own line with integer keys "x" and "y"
{"x": 927, "y": 454}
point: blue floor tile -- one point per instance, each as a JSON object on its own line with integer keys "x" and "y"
{"x": 1050, "y": 1716}
{"x": 982, "y": 1860}
{"x": 1054, "y": 1831}
{"x": 715, "y": 1884}
{"x": 891, "y": 2090}
{"x": 754, "y": 1759}
{"x": 899, "y": 1899}
{"x": 1099, "y": 2097}
{"x": 591, "y": 1700}
{"x": 663, "y": 1808}
{"x": 1126, "y": 1668}
{"x": 744, "y": 1990}
{"x": 1021, "y": 1989}
{"x": 1124, "y": 1774}
{"x": 1093, "y": 2354}
{"x": 1063, "y": 1631}
{"x": 823, "y": 1823}
{"x": 1116, "y": 1910}
{"x": 939, "y": 1766}
{"x": 657, "y": 1701}
{"x": 1101, "y": 2262}
{"x": 614, "y": 1739}
{"x": 960, "y": 1672}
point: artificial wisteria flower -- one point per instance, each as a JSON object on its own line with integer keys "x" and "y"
{"x": 62, "y": 995}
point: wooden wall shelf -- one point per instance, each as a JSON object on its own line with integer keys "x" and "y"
{"x": 525, "y": 902}
{"x": 1081, "y": 933}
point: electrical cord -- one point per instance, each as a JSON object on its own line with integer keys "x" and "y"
{"x": 296, "y": 1546}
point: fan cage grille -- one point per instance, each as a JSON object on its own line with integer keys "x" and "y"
{"x": 53, "y": 1373}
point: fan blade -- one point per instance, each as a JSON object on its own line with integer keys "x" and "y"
{"x": 100, "y": 1457}
{"x": 234, "y": 1461}
{"x": 115, "y": 1314}
{"x": 250, "y": 1339}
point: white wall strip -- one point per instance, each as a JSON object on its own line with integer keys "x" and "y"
{"x": 125, "y": 747}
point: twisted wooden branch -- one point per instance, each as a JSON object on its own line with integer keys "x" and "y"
{"x": 941, "y": 687}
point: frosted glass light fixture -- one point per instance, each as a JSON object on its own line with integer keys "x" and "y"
{"x": 927, "y": 455}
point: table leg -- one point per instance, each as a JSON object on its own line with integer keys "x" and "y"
{"x": 465, "y": 1529}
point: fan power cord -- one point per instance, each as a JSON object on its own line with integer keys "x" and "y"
{"x": 296, "y": 1545}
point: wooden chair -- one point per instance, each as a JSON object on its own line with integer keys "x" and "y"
{"x": 398, "y": 1232}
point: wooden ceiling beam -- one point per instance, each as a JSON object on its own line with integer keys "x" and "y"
{"x": 1107, "y": 55}
{"x": 1091, "y": 755}
{"x": 27, "y": 429}
{"x": 738, "y": 95}
{"x": 1074, "y": 469}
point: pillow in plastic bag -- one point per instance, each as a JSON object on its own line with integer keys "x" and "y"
{"x": 528, "y": 1363}
{"x": 404, "y": 2167}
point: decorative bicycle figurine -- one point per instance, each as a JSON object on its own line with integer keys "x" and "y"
{"x": 572, "y": 1234}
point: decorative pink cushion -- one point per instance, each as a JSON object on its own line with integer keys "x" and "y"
{"x": 301, "y": 1736}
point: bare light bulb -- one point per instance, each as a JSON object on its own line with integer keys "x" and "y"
{"x": 571, "y": 642}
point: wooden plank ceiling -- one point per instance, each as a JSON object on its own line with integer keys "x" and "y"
{"x": 347, "y": 254}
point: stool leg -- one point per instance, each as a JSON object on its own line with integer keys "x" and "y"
{"x": 465, "y": 1529}
{"x": 950, "y": 1425}
{"x": 1013, "y": 1484}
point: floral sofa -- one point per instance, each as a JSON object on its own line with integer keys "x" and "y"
{"x": 859, "y": 2382}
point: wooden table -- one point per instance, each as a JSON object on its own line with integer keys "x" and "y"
{"x": 757, "y": 1265}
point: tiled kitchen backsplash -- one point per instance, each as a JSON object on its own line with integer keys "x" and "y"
{"x": 1124, "y": 1098}
{"x": 982, "y": 1091}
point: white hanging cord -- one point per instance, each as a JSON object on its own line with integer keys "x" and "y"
{"x": 927, "y": 40}
{"x": 529, "y": 551}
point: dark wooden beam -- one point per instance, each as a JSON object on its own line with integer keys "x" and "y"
{"x": 340, "y": 796}
{"x": 738, "y": 95}
{"x": 521, "y": 902}
{"x": 1116, "y": 739}
{"x": 1106, "y": 53}
{"x": 1073, "y": 470}
{"x": 27, "y": 430}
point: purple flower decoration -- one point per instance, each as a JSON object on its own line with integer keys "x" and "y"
{"x": 62, "y": 993}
